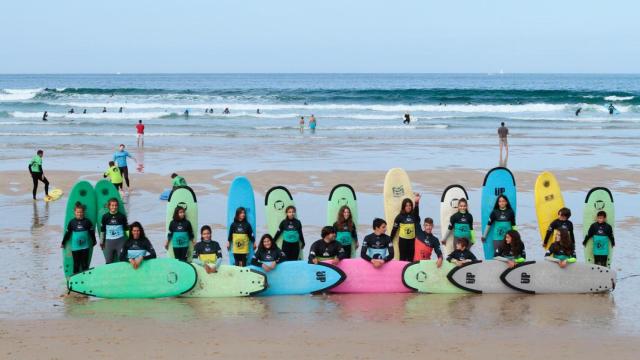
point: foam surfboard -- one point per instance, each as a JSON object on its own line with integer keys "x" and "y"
{"x": 54, "y": 195}
{"x": 300, "y": 278}
{"x": 165, "y": 194}
{"x": 228, "y": 281}
{"x": 448, "y": 207}
{"x": 481, "y": 277}
{"x": 598, "y": 199}
{"x": 425, "y": 276}
{"x": 184, "y": 197}
{"x": 362, "y": 277}
{"x": 548, "y": 200}
{"x": 546, "y": 277}
{"x": 83, "y": 193}
{"x": 276, "y": 201}
{"x": 397, "y": 187}
{"x": 154, "y": 278}
{"x": 343, "y": 195}
{"x": 106, "y": 191}
{"x": 498, "y": 181}
{"x": 241, "y": 195}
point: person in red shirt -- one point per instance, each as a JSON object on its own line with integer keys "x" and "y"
{"x": 140, "y": 131}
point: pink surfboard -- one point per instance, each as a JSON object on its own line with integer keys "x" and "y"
{"x": 362, "y": 277}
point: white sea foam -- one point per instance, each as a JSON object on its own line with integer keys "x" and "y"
{"x": 105, "y": 116}
{"x": 18, "y": 94}
{"x": 618, "y": 98}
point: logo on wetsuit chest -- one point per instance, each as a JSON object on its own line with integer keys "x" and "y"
{"x": 470, "y": 278}
{"x": 398, "y": 191}
{"x": 525, "y": 278}
{"x": 321, "y": 276}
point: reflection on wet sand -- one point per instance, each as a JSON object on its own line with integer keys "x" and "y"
{"x": 39, "y": 220}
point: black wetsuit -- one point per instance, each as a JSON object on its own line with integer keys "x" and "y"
{"x": 83, "y": 237}
{"x": 407, "y": 119}
{"x": 180, "y": 234}
{"x": 37, "y": 174}
{"x": 557, "y": 252}
{"x": 133, "y": 249}
{"x": 405, "y": 225}
{"x": 462, "y": 226}
{"x": 345, "y": 236}
{"x": 244, "y": 241}
{"x": 600, "y": 233}
{"x": 507, "y": 251}
{"x": 292, "y": 238}
{"x": 506, "y": 217}
{"x": 114, "y": 227}
{"x": 461, "y": 255}
{"x": 557, "y": 225}
{"x": 433, "y": 242}
{"x": 271, "y": 255}
{"x": 207, "y": 249}
{"x": 377, "y": 247}
{"x": 323, "y": 251}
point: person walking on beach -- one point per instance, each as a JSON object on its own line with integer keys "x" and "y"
{"x": 120, "y": 157}
{"x": 503, "y": 132}
{"x": 140, "y": 133}
{"x": 37, "y": 174}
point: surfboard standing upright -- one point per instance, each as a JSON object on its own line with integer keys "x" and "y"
{"x": 498, "y": 181}
{"x": 397, "y": 187}
{"x": 184, "y": 197}
{"x": 106, "y": 191}
{"x": 343, "y": 195}
{"x": 448, "y": 207}
{"x": 598, "y": 199}
{"x": 276, "y": 201}
{"x": 548, "y": 200}
{"x": 83, "y": 193}
{"x": 241, "y": 195}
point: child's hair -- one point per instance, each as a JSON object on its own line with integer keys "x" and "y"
{"x": 516, "y": 245}
{"x": 602, "y": 213}
{"x": 326, "y": 231}
{"x": 79, "y": 205}
{"x": 496, "y": 206}
{"x": 341, "y": 221}
{"x": 39, "y": 152}
{"x": 266, "y": 236}
{"x": 565, "y": 212}
{"x": 122, "y": 145}
{"x": 238, "y": 211}
{"x": 176, "y": 211}
{"x": 404, "y": 204}
{"x": 565, "y": 242}
{"x": 113, "y": 200}
{"x": 111, "y": 163}
{"x": 205, "y": 227}
{"x": 174, "y": 175}
{"x": 428, "y": 220}
{"x": 288, "y": 208}
{"x": 377, "y": 222}
{"x": 137, "y": 224}
{"x": 463, "y": 241}
{"x": 463, "y": 200}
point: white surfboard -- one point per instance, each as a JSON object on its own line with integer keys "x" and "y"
{"x": 481, "y": 277}
{"x": 448, "y": 207}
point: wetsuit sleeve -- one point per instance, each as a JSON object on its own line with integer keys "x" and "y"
{"x": 190, "y": 231}
{"x": 252, "y": 236}
{"x": 363, "y": 249}
{"x": 281, "y": 257}
{"x": 396, "y": 226}
{"x": 230, "y": 234}
{"x": 452, "y": 220}
{"x": 513, "y": 218}
{"x": 390, "y": 253}
{"x": 354, "y": 232}
{"x": 124, "y": 251}
{"x": 471, "y": 256}
{"x": 170, "y": 233}
{"x": 550, "y": 230}
{"x": 590, "y": 233}
{"x": 450, "y": 257}
{"x": 218, "y": 253}
{"x": 255, "y": 261}
{"x": 341, "y": 253}
{"x": 67, "y": 233}
{"x": 103, "y": 226}
{"x": 29, "y": 168}
{"x": 150, "y": 250}
{"x": 92, "y": 232}
{"x": 416, "y": 212}
{"x": 610, "y": 233}
{"x": 435, "y": 244}
{"x": 299, "y": 228}
{"x": 279, "y": 232}
{"x": 471, "y": 222}
{"x": 573, "y": 237}
{"x": 312, "y": 252}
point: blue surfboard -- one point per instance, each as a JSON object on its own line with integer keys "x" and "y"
{"x": 498, "y": 181}
{"x": 165, "y": 194}
{"x": 241, "y": 195}
{"x": 300, "y": 278}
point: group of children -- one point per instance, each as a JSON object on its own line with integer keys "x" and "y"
{"x": 123, "y": 242}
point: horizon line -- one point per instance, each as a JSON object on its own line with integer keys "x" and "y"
{"x": 321, "y": 73}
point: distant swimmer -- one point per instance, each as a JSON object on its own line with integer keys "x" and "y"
{"x": 120, "y": 110}
{"x": 104, "y": 109}
{"x": 186, "y": 113}
{"x": 306, "y": 103}
{"x": 258, "y": 112}
{"x": 611, "y": 109}
{"x": 578, "y": 111}
{"x": 407, "y": 118}
{"x": 301, "y": 123}
{"x": 71, "y": 111}
{"x": 84, "y": 111}
{"x": 226, "y": 111}
{"x": 45, "y": 116}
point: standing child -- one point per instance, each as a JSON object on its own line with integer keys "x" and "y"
{"x": 404, "y": 226}
{"x": 113, "y": 232}
{"x": 291, "y": 231}
{"x": 241, "y": 237}
{"x": 346, "y": 232}
{"x": 461, "y": 223}
{"x": 563, "y": 249}
{"x": 180, "y": 234}
{"x": 114, "y": 175}
{"x": 461, "y": 255}
{"x": 207, "y": 252}
{"x": 511, "y": 249}
{"x": 377, "y": 247}
{"x": 562, "y": 222}
{"x": 82, "y": 235}
{"x": 501, "y": 220}
{"x": 602, "y": 235}
{"x": 268, "y": 254}
{"x": 431, "y": 242}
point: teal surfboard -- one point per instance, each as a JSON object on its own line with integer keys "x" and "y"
{"x": 343, "y": 195}
{"x": 106, "y": 191}
{"x": 241, "y": 195}
{"x": 184, "y": 197}
{"x": 498, "y": 181}
{"x": 154, "y": 278}
{"x": 598, "y": 199}
{"x": 276, "y": 201}
{"x": 83, "y": 193}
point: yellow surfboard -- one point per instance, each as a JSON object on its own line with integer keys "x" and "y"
{"x": 548, "y": 200}
{"x": 397, "y": 187}
{"x": 54, "y": 195}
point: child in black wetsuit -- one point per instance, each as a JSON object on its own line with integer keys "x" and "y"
{"x": 602, "y": 235}
{"x": 268, "y": 254}
{"x": 404, "y": 226}
{"x": 461, "y": 255}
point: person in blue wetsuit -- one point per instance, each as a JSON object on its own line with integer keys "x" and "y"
{"x": 501, "y": 220}
{"x": 81, "y": 233}
{"x": 346, "y": 232}
{"x": 120, "y": 158}
{"x": 563, "y": 250}
{"x": 268, "y": 254}
{"x": 137, "y": 248}
{"x": 113, "y": 232}
{"x": 405, "y": 225}
{"x": 180, "y": 234}
{"x": 291, "y": 231}
{"x": 602, "y": 235}
{"x": 207, "y": 252}
{"x": 511, "y": 249}
{"x": 377, "y": 247}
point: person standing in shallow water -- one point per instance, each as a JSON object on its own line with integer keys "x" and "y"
{"x": 301, "y": 123}
{"x": 503, "y": 132}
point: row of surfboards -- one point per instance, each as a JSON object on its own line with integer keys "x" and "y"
{"x": 169, "y": 277}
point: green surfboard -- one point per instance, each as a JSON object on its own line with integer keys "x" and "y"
{"x": 276, "y": 201}
{"x": 154, "y": 278}
{"x": 184, "y": 197}
{"x": 83, "y": 193}
{"x": 106, "y": 191}
{"x": 229, "y": 281}
{"x": 424, "y": 276}
{"x": 343, "y": 195}
{"x": 598, "y": 199}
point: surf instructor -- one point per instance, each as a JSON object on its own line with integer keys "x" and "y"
{"x": 37, "y": 174}
{"x": 120, "y": 157}
{"x": 140, "y": 133}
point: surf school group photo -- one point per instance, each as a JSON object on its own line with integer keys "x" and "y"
{"x": 402, "y": 252}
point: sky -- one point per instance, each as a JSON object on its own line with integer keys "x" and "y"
{"x": 326, "y": 36}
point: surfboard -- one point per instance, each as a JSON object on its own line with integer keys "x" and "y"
{"x": 397, "y": 187}
{"x": 106, "y": 191}
{"x": 548, "y": 200}
{"x": 229, "y": 281}
{"x": 165, "y": 194}
{"x": 498, "y": 181}
{"x": 300, "y": 278}
{"x": 184, "y": 197}
{"x": 448, "y": 207}
{"x": 83, "y": 193}
{"x": 154, "y": 278}
{"x": 362, "y": 277}
{"x": 598, "y": 199}
{"x": 424, "y": 276}
{"x": 481, "y": 277}
{"x": 54, "y": 195}
{"x": 343, "y": 195}
{"x": 546, "y": 277}
{"x": 276, "y": 201}
{"x": 241, "y": 195}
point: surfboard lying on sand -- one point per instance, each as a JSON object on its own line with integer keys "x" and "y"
{"x": 425, "y": 276}
{"x": 481, "y": 277}
{"x": 362, "y": 277}
{"x": 300, "y": 278}
{"x": 228, "y": 281}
